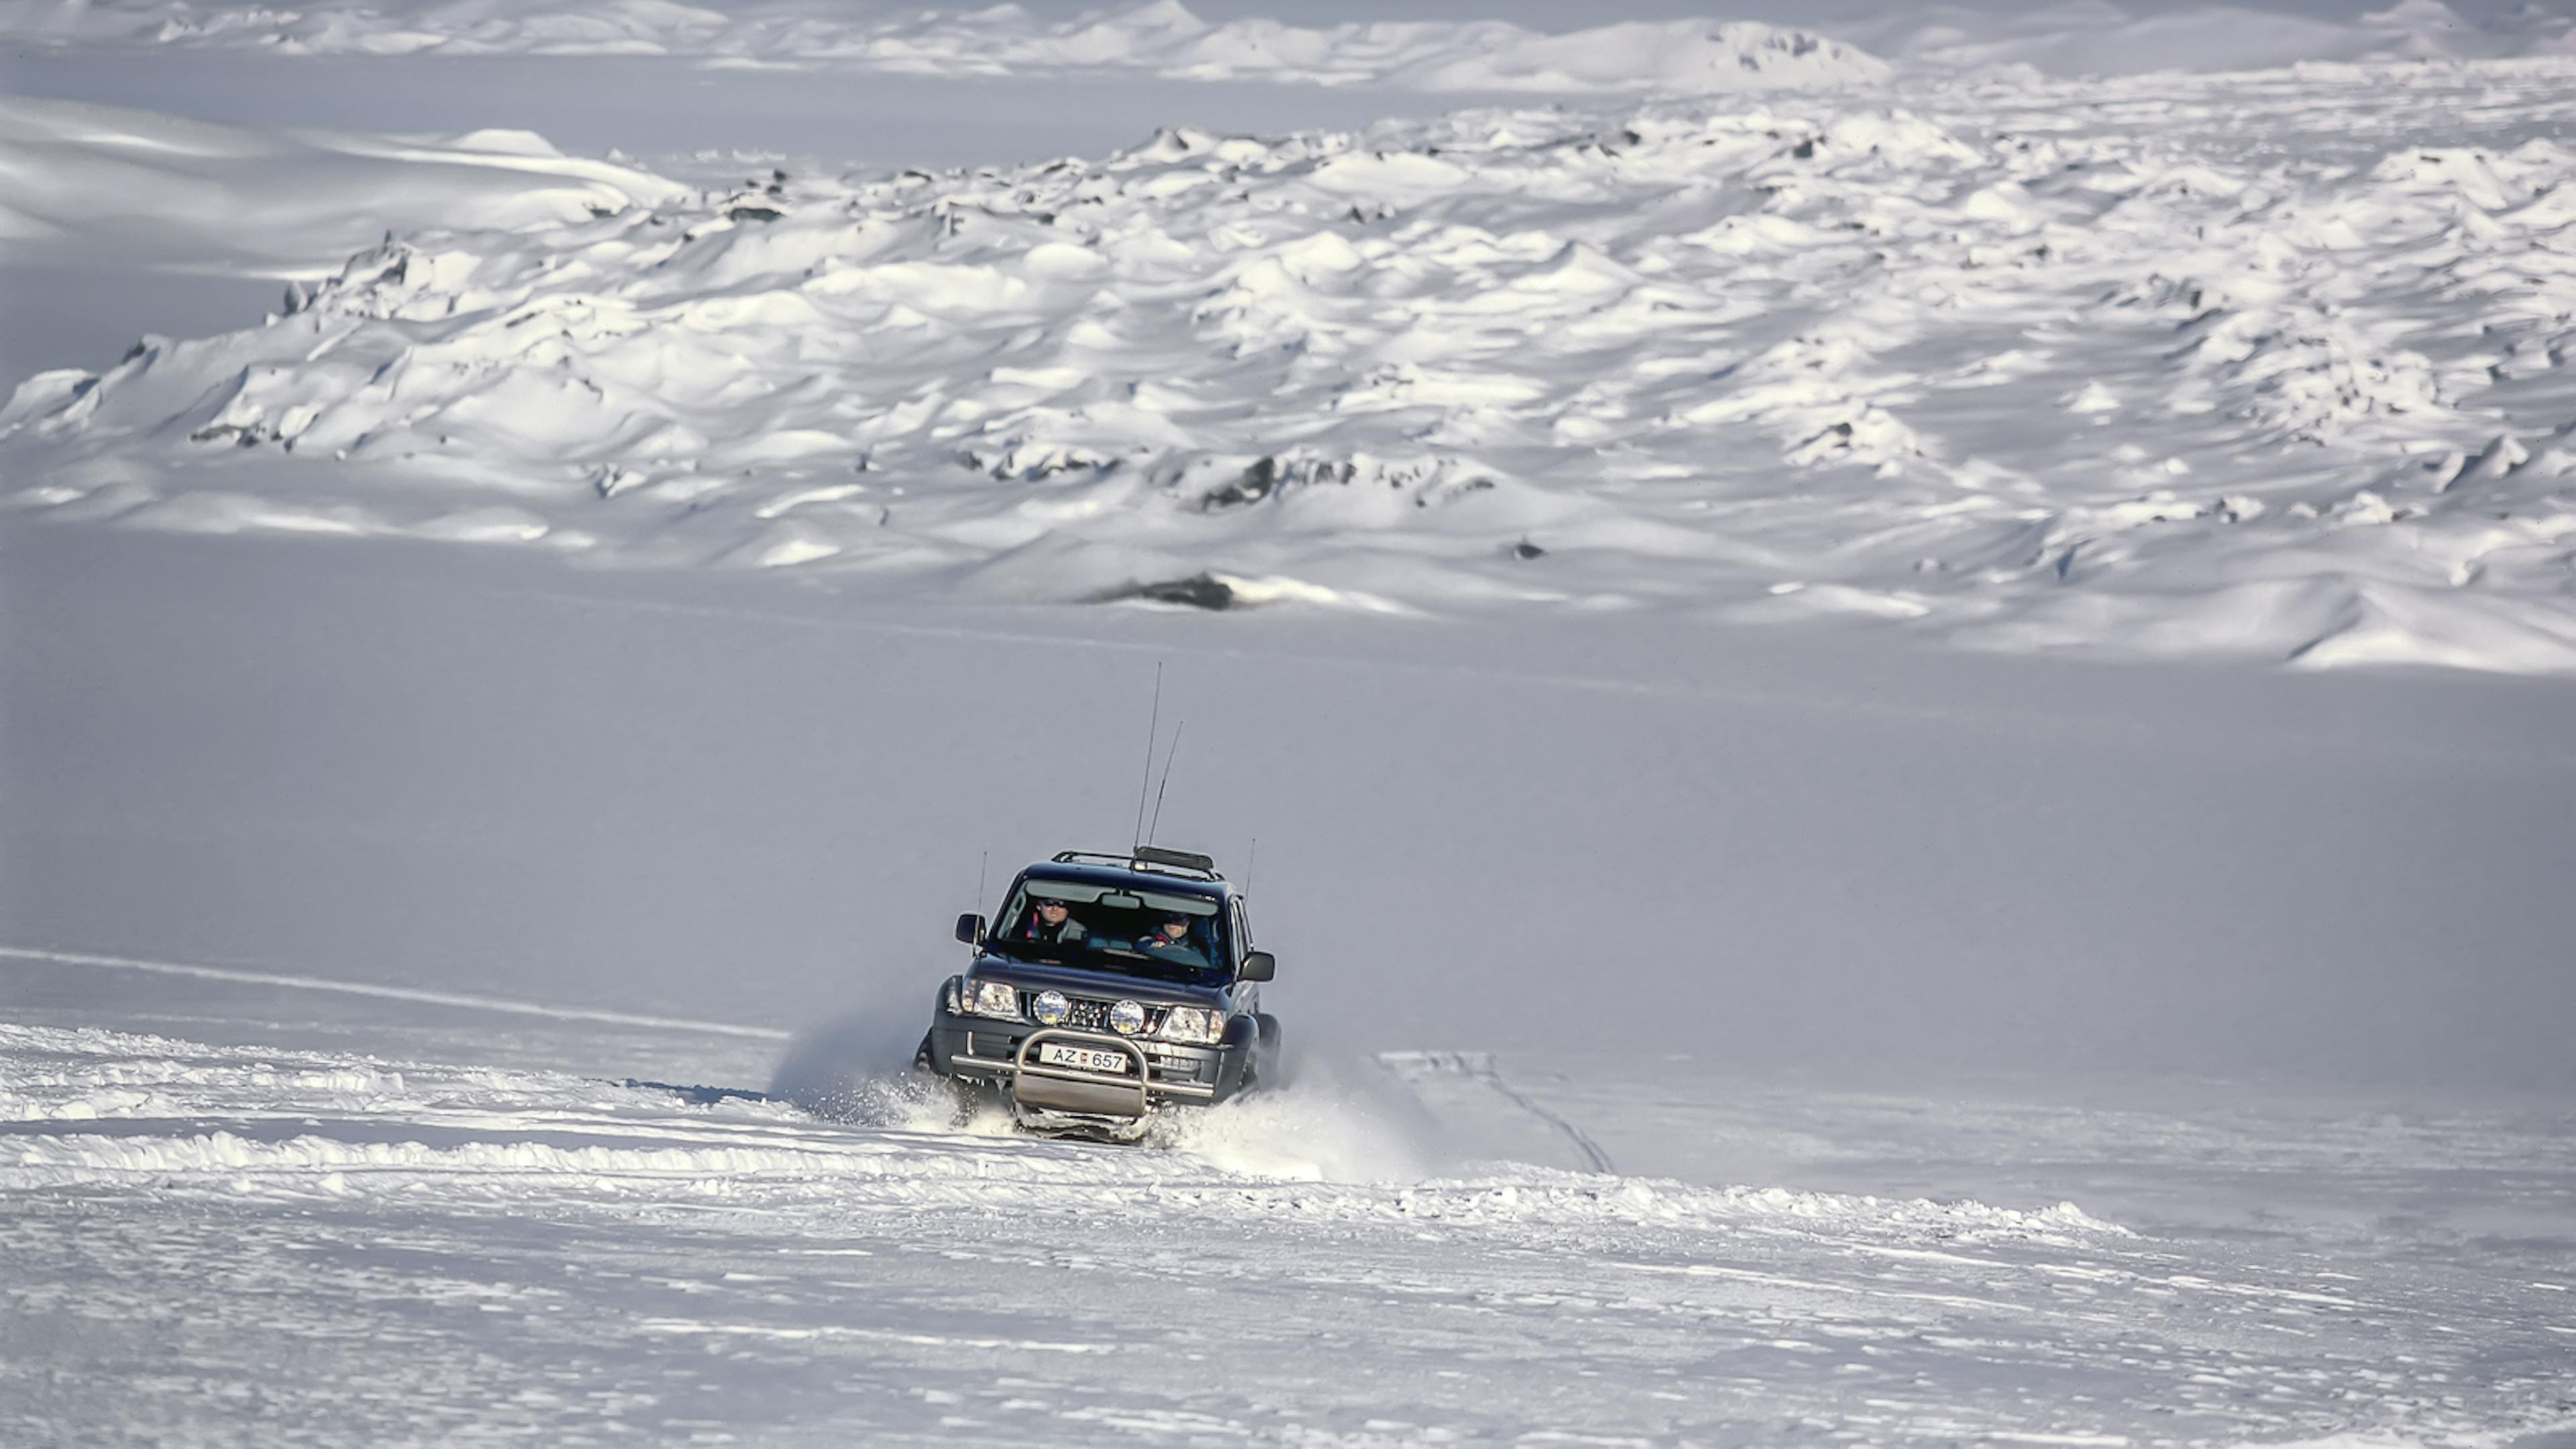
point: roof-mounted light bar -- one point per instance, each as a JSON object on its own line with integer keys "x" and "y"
{"x": 1146, "y": 857}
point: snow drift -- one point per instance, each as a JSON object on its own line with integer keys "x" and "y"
{"x": 104, "y": 184}
{"x": 2246, "y": 370}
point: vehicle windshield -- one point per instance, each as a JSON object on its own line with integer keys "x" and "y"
{"x": 1144, "y": 932}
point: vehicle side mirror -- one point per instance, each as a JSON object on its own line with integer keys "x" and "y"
{"x": 970, "y": 929}
{"x": 1259, "y": 966}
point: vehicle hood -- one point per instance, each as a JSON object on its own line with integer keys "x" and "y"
{"x": 1099, "y": 985}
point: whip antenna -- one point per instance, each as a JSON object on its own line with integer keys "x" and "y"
{"x": 981, "y": 862}
{"x": 1167, "y": 780}
{"x": 1251, "y": 861}
{"x": 1153, "y": 724}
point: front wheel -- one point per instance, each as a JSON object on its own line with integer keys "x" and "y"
{"x": 1265, "y": 1051}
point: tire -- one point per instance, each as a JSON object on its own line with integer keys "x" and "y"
{"x": 1265, "y": 1051}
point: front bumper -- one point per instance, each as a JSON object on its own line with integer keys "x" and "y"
{"x": 1006, "y": 1053}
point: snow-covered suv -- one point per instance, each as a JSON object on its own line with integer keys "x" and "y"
{"x": 1109, "y": 986}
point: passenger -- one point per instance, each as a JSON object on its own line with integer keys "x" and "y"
{"x": 1050, "y": 920}
{"x": 1171, "y": 941}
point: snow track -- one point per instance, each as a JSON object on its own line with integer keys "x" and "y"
{"x": 239, "y": 977}
{"x": 415, "y": 1242}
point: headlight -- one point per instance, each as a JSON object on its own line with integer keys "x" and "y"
{"x": 992, "y": 998}
{"x": 1050, "y": 1008}
{"x": 1191, "y": 1024}
{"x": 1127, "y": 1018}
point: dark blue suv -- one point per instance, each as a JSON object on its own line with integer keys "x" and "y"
{"x": 1111, "y": 985}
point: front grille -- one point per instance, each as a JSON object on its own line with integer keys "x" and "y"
{"x": 1091, "y": 1015}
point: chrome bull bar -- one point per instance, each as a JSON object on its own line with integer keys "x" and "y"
{"x": 1060, "y": 1088}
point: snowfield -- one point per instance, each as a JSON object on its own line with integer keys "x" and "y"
{"x": 320, "y": 1246}
{"x": 2266, "y": 367}
{"x": 1166, "y": 38}
{"x": 395, "y": 863}
{"x": 1894, "y": 683}
{"x": 1162, "y": 38}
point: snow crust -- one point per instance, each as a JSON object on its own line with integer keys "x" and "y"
{"x": 2268, "y": 368}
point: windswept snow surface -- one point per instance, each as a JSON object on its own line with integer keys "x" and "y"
{"x": 107, "y": 185}
{"x": 2269, "y": 368}
{"x": 235, "y": 1244}
{"x": 1832, "y": 45}
{"x": 2095, "y": 37}
{"x": 1162, "y": 38}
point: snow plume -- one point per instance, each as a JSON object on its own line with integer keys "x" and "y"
{"x": 857, "y": 1068}
{"x": 2250, "y": 369}
{"x": 1327, "y": 1122}
{"x": 1330, "y": 1121}
{"x": 1162, "y": 39}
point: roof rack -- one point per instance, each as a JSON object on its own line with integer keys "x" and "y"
{"x": 1154, "y": 858}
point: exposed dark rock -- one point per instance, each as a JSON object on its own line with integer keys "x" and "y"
{"x": 754, "y": 213}
{"x": 1198, "y": 591}
{"x": 1527, "y": 549}
{"x": 1254, "y": 484}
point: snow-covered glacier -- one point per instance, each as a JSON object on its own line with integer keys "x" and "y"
{"x": 1813, "y": 620}
{"x": 1543, "y": 50}
{"x": 1162, "y": 38}
{"x": 2264, "y": 366}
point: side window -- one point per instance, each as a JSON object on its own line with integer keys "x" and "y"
{"x": 1242, "y": 931}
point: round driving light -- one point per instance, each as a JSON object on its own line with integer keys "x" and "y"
{"x": 1051, "y": 1008}
{"x": 1127, "y": 1018}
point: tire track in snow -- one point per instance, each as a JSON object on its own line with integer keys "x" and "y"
{"x": 1479, "y": 1067}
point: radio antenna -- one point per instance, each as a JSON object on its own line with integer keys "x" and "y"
{"x": 982, "y": 862}
{"x": 1167, "y": 780}
{"x": 1251, "y": 862}
{"x": 1153, "y": 724}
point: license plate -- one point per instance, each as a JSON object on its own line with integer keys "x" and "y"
{"x": 1089, "y": 1059}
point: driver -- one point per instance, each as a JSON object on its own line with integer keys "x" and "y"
{"x": 1170, "y": 941}
{"x": 1050, "y": 920}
